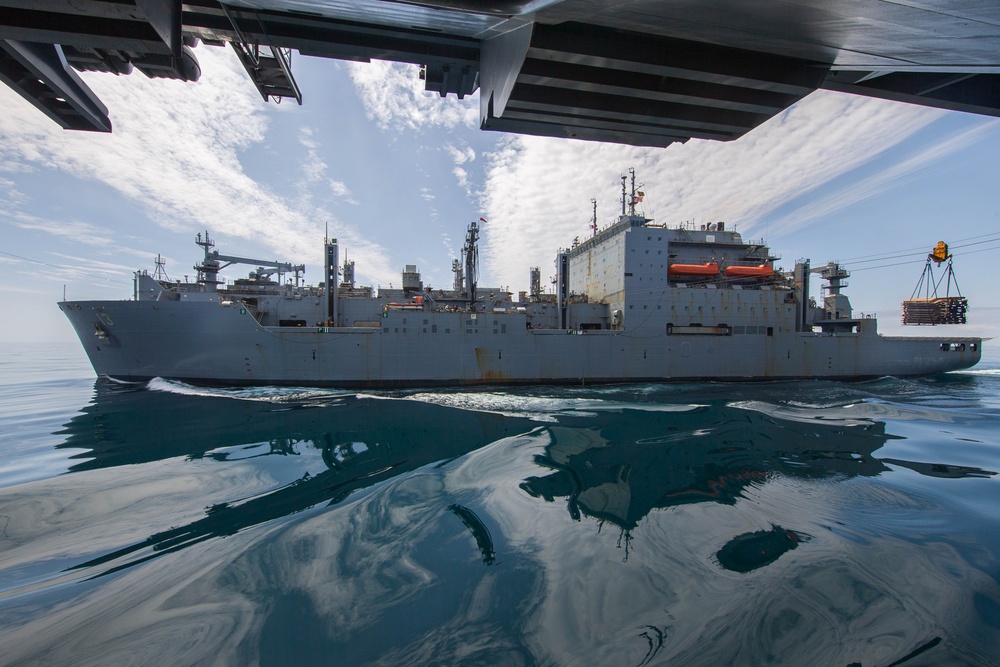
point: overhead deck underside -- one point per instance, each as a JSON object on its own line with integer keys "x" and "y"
{"x": 644, "y": 72}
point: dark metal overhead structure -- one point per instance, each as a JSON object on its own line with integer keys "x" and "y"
{"x": 270, "y": 67}
{"x": 604, "y": 84}
{"x": 449, "y": 64}
{"x": 969, "y": 92}
{"x": 41, "y": 39}
{"x": 643, "y": 72}
{"x": 40, "y": 74}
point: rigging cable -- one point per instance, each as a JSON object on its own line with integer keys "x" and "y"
{"x": 917, "y": 251}
{"x": 883, "y": 266}
{"x": 64, "y": 268}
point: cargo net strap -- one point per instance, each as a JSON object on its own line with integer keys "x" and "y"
{"x": 925, "y": 306}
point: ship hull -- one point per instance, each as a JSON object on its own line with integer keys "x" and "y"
{"x": 209, "y": 343}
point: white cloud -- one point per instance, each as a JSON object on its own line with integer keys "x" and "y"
{"x": 339, "y": 189}
{"x": 72, "y": 230}
{"x": 12, "y": 289}
{"x": 176, "y": 150}
{"x": 394, "y": 97}
{"x": 448, "y": 245}
{"x": 313, "y": 166}
{"x": 9, "y": 194}
{"x": 93, "y": 265}
{"x": 816, "y": 208}
{"x": 462, "y": 176}
{"x": 460, "y": 156}
{"x": 538, "y": 190}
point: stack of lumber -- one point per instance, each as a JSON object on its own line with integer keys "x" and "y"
{"x": 937, "y": 310}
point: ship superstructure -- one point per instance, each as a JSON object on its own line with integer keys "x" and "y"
{"x": 637, "y": 301}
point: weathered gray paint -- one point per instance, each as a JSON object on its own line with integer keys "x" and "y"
{"x": 669, "y": 329}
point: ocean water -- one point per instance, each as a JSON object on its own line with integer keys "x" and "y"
{"x": 792, "y": 523}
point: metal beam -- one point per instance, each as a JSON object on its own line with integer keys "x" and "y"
{"x": 84, "y": 30}
{"x": 607, "y": 84}
{"x": 39, "y": 73}
{"x": 972, "y": 93}
{"x": 649, "y": 72}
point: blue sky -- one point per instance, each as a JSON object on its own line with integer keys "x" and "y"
{"x": 397, "y": 174}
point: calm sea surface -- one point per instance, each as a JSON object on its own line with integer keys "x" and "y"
{"x": 800, "y": 523}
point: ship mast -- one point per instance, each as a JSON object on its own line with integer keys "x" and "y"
{"x": 470, "y": 251}
{"x": 593, "y": 221}
{"x": 458, "y": 283}
{"x": 331, "y": 250}
{"x": 631, "y": 201}
{"x": 160, "y": 272}
{"x": 208, "y": 270}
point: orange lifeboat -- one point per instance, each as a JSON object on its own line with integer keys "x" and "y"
{"x": 693, "y": 270}
{"x": 760, "y": 271}
{"x": 416, "y": 304}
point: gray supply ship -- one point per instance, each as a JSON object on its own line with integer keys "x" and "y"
{"x": 636, "y": 302}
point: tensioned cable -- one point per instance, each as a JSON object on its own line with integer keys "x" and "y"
{"x": 64, "y": 268}
{"x": 958, "y": 244}
{"x": 883, "y": 266}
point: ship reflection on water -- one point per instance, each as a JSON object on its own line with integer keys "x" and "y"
{"x": 544, "y": 526}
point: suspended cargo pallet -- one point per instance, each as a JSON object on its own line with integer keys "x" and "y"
{"x": 932, "y": 309}
{"x": 937, "y": 310}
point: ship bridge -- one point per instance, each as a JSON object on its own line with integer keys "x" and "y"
{"x": 642, "y": 72}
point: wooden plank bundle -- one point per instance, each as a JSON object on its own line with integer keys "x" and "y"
{"x": 936, "y": 310}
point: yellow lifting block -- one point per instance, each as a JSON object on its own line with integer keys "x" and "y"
{"x": 940, "y": 252}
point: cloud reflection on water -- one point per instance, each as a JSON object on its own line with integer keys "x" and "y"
{"x": 205, "y": 528}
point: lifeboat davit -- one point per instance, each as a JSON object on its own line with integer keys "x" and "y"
{"x": 694, "y": 270}
{"x": 760, "y": 271}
